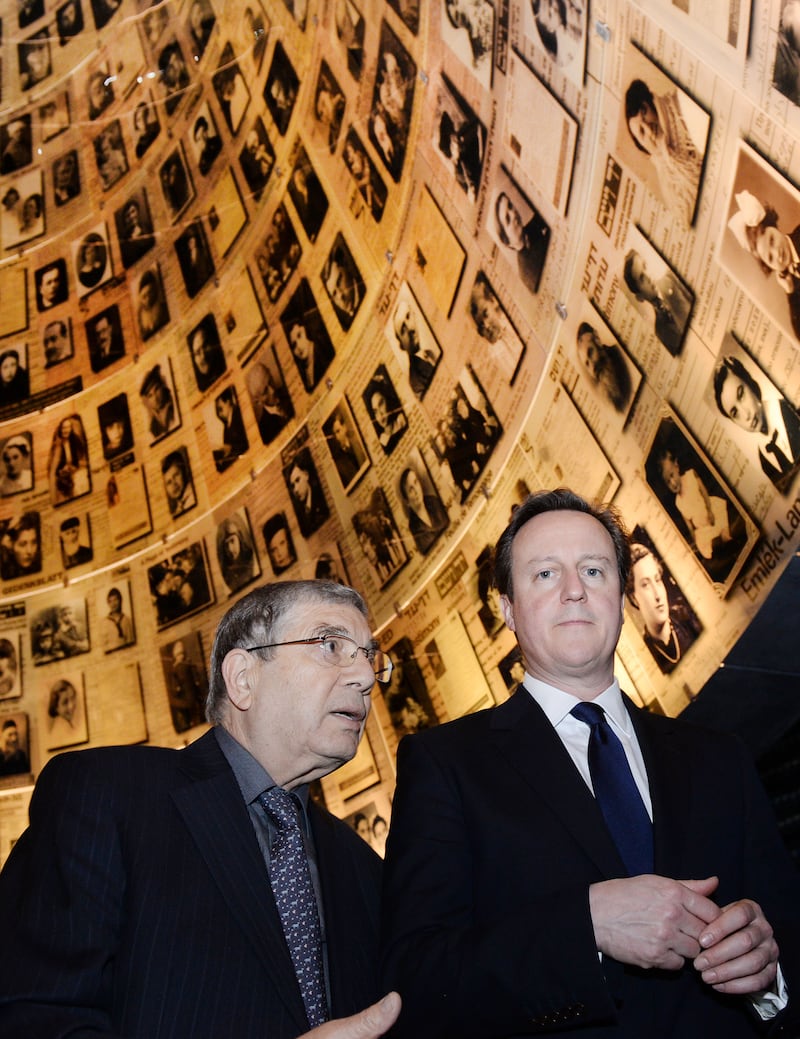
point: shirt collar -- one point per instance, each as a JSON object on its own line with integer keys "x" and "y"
{"x": 252, "y": 777}
{"x": 557, "y": 704}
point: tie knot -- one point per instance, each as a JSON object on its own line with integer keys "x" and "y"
{"x": 281, "y": 805}
{"x": 589, "y": 713}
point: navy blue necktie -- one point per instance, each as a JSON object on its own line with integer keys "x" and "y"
{"x": 291, "y": 883}
{"x": 616, "y": 792}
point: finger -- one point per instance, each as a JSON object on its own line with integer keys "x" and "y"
{"x": 368, "y": 1024}
{"x": 733, "y": 918}
{"x": 748, "y": 974}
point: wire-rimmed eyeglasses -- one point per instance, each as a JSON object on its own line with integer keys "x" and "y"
{"x": 340, "y": 651}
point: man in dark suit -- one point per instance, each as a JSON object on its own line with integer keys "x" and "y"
{"x": 139, "y": 902}
{"x": 668, "y": 296}
{"x": 509, "y": 910}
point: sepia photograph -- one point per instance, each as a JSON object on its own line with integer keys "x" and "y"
{"x": 279, "y": 543}
{"x": 224, "y": 423}
{"x": 116, "y": 431}
{"x": 345, "y": 444}
{"x": 161, "y": 408}
{"x": 135, "y": 232}
{"x": 519, "y": 229}
{"x": 180, "y": 585}
{"x": 114, "y": 610}
{"x": 385, "y": 409}
{"x": 350, "y": 29}
{"x": 389, "y": 119}
{"x": 459, "y": 139}
{"x": 306, "y": 492}
{"x": 16, "y": 144}
{"x": 269, "y": 396}
{"x": 365, "y": 174}
{"x": 206, "y": 140}
{"x": 231, "y": 90}
{"x": 68, "y": 461}
{"x": 184, "y": 667}
{"x": 64, "y": 723}
{"x": 469, "y": 34}
{"x": 145, "y": 124}
{"x": 307, "y": 193}
{"x": 194, "y": 257}
{"x": 52, "y": 285}
{"x": 66, "y": 177}
{"x": 280, "y": 91}
{"x": 150, "y": 303}
{"x": 176, "y": 183}
{"x": 501, "y": 345}
{"x": 176, "y": 472}
{"x": 257, "y": 158}
{"x": 75, "y": 536}
{"x": 656, "y": 291}
{"x": 307, "y": 336}
{"x": 379, "y": 539}
{"x": 14, "y": 375}
{"x": 343, "y": 282}
{"x": 22, "y": 210}
{"x": 57, "y": 345}
{"x": 236, "y": 551}
{"x": 104, "y": 337}
{"x": 426, "y": 514}
{"x": 329, "y": 106}
{"x": 110, "y": 154}
{"x": 413, "y": 342}
{"x": 91, "y": 260}
{"x": 206, "y": 353}
{"x": 601, "y": 363}
{"x": 16, "y": 454}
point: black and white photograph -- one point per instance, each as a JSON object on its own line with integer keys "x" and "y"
{"x": 194, "y": 257}
{"x": 22, "y": 212}
{"x": 13, "y": 746}
{"x": 761, "y": 422}
{"x": 69, "y": 21}
{"x": 307, "y": 193}
{"x": 280, "y": 254}
{"x": 257, "y": 158}
{"x": 786, "y": 66}
{"x": 146, "y": 125}
{"x": 68, "y": 461}
{"x": 490, "y": 611}
{"x": 180, "y": 585}
{"x": 103, "y": 11}
{"x": 52, "y": 285}
{"x": 379, "y": 538}
{"x": 110, "y": 154}
{"x": 656, "y": 291}
{"x": 392, "y": 101}
{"x": 91, "y": 260}
{"x": 385, "y": 409}
{"x": 15, "y": 385}
{"x": 57, "y": 344}
{"x": 105, "y": 338}
{"x": 558, "y": 29}
{"x": 134, "y": 223}
{"x": 200, "y": 24}
{"x": 174, "y": 74}
{"x": 406, "y": 695}
{"x": 656, "y": 605}
{"x": 329, "y": 106}
{"x": 70, "y": 624}
{"x": 350, "y": 30}
{"x": 184, "y": 666}
{"x": 116, "y": 431}
{"x": 345, "y": 444}
{"x": 176, "y": 183}
{"x": 16, "y": 144}
{"x": 207, "y": 355}
{"x": 115, "y": 612}
{"x": 159, "y": 399}
{"x": 343, "y": 282}
{"x": 467, "y": 433}
{"x": 279, "y": 543}
{"x": 306, "y": 491}
{"x": 150, "y": 303}
{"x": 469, "y": 32}
{"x": 501, "y": 345}
{"x": 99, "y": 90}
{"x": 253, "y": 31}
{"x": 236, "y": 551}
{"x": 63, "y": 710}
{"x": 231, "y": 90}
{"x": 703, "y": 510}
{"x": 662, "y": 137}
{"x": 413, "y": 341}
{"x": 519, "y": 229}
{"x": 307, "y": 336}
{"x": 66, "y": 177}
{"x": 270, "y": 399}
{"x": 280, "y": 90}
{"x": 176, "y": 472}
{"x": 75, "y": 537}
{"x": 206, "y": 140}
{"x": 16, "y": 456}
{"x": 227, "y": 437}
{"x": 35, "y": 64}
{"x": 365, "y": 174}
{"x": 426, "y": 514}
{"x": 600, "y": 363}
{"x": 459, "y": 138}
{"x": 28, "y": 12}
{"x": 54, "y": 115}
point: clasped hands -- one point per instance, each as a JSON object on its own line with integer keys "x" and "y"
{"x": 652, "y": 921}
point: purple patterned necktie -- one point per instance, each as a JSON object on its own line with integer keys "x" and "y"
{"x": 290, "y": 878}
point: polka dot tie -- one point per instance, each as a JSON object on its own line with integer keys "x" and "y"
{"x": 297, "y": 906}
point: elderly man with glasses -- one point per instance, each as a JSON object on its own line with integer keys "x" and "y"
{"x": 165, "y": 893}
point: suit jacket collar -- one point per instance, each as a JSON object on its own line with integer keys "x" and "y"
{"x": 215, "y": 814}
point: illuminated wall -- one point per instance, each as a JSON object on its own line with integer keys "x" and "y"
{"x": 293, "y": 291}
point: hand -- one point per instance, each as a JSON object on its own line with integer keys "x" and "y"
{"x": 369, "y": 1024}
{"x": 652, "y": 921}
{"x": 739, "y": 954}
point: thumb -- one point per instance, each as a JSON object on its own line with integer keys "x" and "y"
{"x": 368, "y": 1024}
{"x": 702, "y": 887}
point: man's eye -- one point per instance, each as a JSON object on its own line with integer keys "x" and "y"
{"x": 544, "y": 574}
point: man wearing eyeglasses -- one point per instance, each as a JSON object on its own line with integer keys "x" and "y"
{"x": 152, "y": 895}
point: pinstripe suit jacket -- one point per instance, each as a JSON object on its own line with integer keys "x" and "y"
{"x": 137, "y": 904}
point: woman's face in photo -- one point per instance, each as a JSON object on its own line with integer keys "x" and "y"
{"x": 14, "y": 461}
{"x": 8, "y": 369}
{"x": 65, "y": 706}
{"x": 25, "y": 549}
{"x": 233, "y": 546}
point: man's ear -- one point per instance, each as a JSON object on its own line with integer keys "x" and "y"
{"x": 507, "y": 606}
{"x": 238, "y": 674}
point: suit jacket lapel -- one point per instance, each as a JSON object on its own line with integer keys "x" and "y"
{"x": 531, "y": 745}
{"x": 214, "y": 812}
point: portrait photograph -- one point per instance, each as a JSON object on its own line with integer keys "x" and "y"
{"x": 22, "y": 211}
{"x": 16, "y": 472}
{"x": 656, "y": 291}
{"x": 236, "y": 551}
{"x": 174, "y": 75}
{"x": 760, "y": 421}
{"x": 10, "y": 669}
{"x": 412, "y": 341}
{"x": 385, "y": 409}
{"x": 698, "y": 502}
{"x": 57, "y": 343}
{"x": 68, "y": 619}
{"x": 662, "y": 136}
{"x": 280, "y": 90}
{"x": 392, "y": 101}
{"x": 16, "y": 144}
{"x": 159, "y": 398}
{"x": 459, "y": 139}
{"x": 114, "y": 609}
{"x": 350, "y": 30}
{"x": 110, "y": 154}
{"x": 54, "y": 115}
{"x": 470, "y": 37}
{"x": 14, "y": 375}
{"x": 52, "y": 285}
{"x": 557, "y": 28}
{"x": 656, "y": 605}
{"x": 200, "y": 24}
{"x": 519, "y": 229}
{"x": 512, "y": 670}
{"x": 279, "y": 543}
{"x": 105, "y": 339}
{"x": 425, "y": 512}
{"x": 186, "y": 680}
{"x": 180, "y": 584}
{"x": 306, "y": 492}
{"x": 145, "y": 124}
{"x": 490, "y": 612}
{"x": 206, "y": 353}
{"x": 68, "y": 471}
{"x": 63, "y": 710}
{"x": 600, "y": 371}
{"x": 368, "y": 820}
{"x": 329, "y": 106}
{"x": 206, "y": 141}
{"x": 307, "y": 193}
{"x": 280, "y": 254}
{"x": 103, "y": 11}
{"x": 269, "y": 396}
{"x": 468, "y": 432}
{"x": 28, "y": 12}
{"x": 231, "y": 90}
{"x": 227, "y": 437}
{"x": 501, "y": 345}
{"x": 69, "y": 21}
{"x": 786, "y": 64}
{"x": 176, "y": 472}
{"x": 33, "y": 56}
{"x": 194, "y": 257}
{"x": 365, "y": 174}
{"x": 176, "y": 183}
{"x": 99, "y": 88}
{"x": 91, "y": 260}
{"x": 66, "y": 177}
{"x": 116, "y": 431}
{"x": 307, "y": 336}
{"x": 343, "y": 282}
{"x": 75, "y": 536}
{"x": 763, "y": 208}
{"x": 379, "y": 539}
{"x": 406, "y": 695}
{"x": 257, "y": 158}
{"x": 345, "y": 444}
{"x": 150, "y": 303}
{"x": 134, "y": 225}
